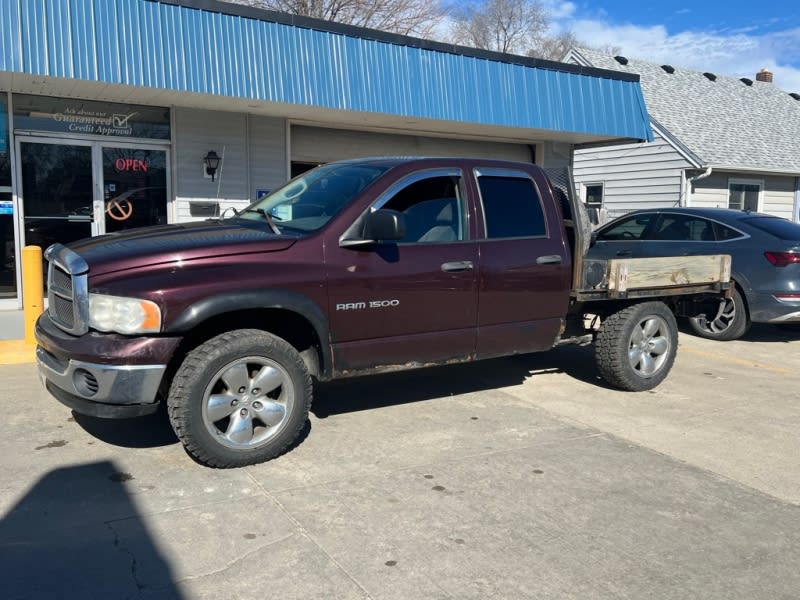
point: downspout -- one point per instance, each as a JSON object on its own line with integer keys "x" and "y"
{"x": 691, "y": 180}
{"x": 796, "y": 212}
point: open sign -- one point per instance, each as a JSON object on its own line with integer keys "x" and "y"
{"x": 131, "y": 164}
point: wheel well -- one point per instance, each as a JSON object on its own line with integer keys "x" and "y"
{"x": 285, "y": 324}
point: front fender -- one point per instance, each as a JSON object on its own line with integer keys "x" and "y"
{"x": 230, "y": 302}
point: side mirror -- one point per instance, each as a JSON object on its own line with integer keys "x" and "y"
{"x": 383, "y": 225}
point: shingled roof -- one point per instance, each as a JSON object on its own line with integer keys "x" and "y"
{"x": 723, "y": 121}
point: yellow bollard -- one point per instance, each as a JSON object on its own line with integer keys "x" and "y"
{"x": 32, "y": 289}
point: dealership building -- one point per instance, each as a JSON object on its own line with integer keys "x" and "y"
{"x": 123, "y": 113}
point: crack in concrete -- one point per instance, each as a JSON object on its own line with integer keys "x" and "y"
{"x": 233, "y": 562}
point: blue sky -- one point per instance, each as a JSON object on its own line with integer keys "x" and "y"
{"x": 726, "y": 37}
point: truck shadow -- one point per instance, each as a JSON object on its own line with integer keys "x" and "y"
{"x": 405, "y": 387}
{"x": 151, "y": 431}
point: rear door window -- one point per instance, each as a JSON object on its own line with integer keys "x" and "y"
{"x": 512, "y": 207}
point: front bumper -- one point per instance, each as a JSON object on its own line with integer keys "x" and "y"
{"x": 102, "y": 375}
{"x": 109, "y": 391}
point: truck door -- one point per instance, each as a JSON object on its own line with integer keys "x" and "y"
{"x": 412, "y": 301}
{"x": 524, "y": 269}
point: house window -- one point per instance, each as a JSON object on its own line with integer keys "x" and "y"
{"x": 744, "y": 194}
{"x": 593, "y": 195}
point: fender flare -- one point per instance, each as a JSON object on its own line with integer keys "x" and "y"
{"x": 220, "y": 304}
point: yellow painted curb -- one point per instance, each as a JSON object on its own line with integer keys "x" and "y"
{"x": 16, "y": 352}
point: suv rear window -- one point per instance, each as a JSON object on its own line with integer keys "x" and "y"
{"x": 780, "y": 228}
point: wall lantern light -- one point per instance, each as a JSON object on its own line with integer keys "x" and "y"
{"x": 211, "y": 161}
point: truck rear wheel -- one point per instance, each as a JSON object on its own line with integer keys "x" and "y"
{"x": 240, "y": 398}
{"x": 635, "y": 347}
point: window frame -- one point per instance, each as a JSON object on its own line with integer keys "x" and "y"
{"x": 746, "y": 181}
{"x": 389, "y": 193}
{"x": 585, "y": 194}
{"x": 479, "y": 172}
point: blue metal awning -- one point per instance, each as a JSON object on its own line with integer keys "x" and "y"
{"x": 226, "y": 50}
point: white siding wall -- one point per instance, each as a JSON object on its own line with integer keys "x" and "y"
{"x": 777, "y": 197}
{"x": 634, "y": 176}
{"x": 253, "y": 151}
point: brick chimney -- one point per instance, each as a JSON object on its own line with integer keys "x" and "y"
{"x": 764, "y": 75}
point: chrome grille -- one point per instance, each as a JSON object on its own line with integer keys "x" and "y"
{"x": 67, "y": 290}
{"x": 62, "y": 280}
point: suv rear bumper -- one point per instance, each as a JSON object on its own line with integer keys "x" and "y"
{"x": 767, "y": 308}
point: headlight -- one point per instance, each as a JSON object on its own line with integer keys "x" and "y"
{"x": 123, "y": 315}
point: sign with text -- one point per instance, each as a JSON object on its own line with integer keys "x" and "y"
{"x": 42, "y": 113}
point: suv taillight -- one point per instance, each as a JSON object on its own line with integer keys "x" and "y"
{"x": 781, "y": 259}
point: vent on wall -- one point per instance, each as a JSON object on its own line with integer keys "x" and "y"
{"x": 710, "y": 76}
{"x": 668, "y": 68}
{"x": 746, "y": 81}
{"x": 621, "y": 60}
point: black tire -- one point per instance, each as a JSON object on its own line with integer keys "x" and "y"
{"x": 635, "y": 347}
{"x": 729, "y": 323}
{"x": 240, "y": 398}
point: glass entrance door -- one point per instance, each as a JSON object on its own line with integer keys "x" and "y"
{"x": 57, "y": 192}
{"x": 134, "y": 187}
{"x": 72, "y": 189}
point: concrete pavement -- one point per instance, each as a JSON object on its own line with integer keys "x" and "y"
{"x": 516, "y": 478}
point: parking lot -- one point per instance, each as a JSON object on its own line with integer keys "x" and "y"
{"x": 522, "y": 477}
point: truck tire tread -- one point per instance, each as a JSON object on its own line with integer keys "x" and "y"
{"x": 612, "y": 346}
{"x": 185, "y": 397}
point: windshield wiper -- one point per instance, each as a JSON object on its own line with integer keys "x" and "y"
{"x": 268, "y": 217}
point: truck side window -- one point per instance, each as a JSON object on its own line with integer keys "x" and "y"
{"x": 434, "y": 210}
{"x": 512, "y": 207}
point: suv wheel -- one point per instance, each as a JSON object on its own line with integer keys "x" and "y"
{"x": 729, "y": 323}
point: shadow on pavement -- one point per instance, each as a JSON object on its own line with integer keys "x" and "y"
{"x": 419, "y": 385}
{"x": 78, "y": 534}
{"x": 151, "y": 431}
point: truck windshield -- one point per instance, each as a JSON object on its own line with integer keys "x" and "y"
{"x": 310, "y": 200}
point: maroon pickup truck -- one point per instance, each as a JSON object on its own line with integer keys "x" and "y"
{"x": 354, "y": 267}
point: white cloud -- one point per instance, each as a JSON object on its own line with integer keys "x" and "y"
{"x": 739, "y": 53}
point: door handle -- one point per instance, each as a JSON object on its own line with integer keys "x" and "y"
{"x": 550, "y": 259}
{"x": 625, "y": 253}
{"x": 457, "y": 267}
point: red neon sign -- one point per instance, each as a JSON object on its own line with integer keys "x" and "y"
{"x": 131, "y": 164}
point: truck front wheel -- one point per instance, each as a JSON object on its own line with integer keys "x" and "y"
{"x": 240, "y": 398}
{"x": 635, "y": 347}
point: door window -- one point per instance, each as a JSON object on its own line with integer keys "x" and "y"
{"x": 433, "y": 209}
{"x": 511, "y": 207}
{"x": 57, "y": 192}
{"x": 134, "y": 187}
{"x": 635, "y": 227}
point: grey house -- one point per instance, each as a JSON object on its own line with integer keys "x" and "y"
{"x": 719, "y": 142}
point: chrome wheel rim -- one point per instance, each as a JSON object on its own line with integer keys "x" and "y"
{"x": 649, "y": 346}
{"x": 723, "y": 319}
{"x": 248, "y": 402}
